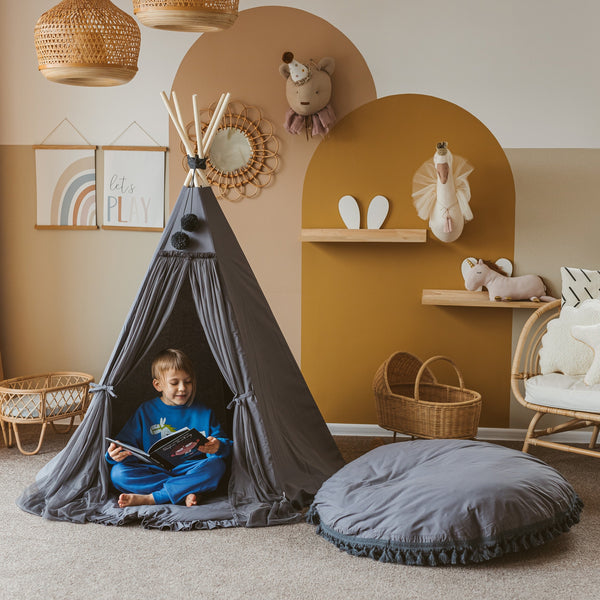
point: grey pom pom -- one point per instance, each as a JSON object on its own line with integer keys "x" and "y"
{"x": 190, "y": 222}
{"x": 180, "y": 240}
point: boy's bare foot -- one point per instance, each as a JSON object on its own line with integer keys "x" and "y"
{"x": 192, "y": 499}
{"x": 135, "y": 499}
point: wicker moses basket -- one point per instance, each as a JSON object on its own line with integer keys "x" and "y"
{"x": 411, "y": 401}
{"x": 42, "y": 399}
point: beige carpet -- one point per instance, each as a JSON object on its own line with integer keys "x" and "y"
{"x": 55, "y": 560}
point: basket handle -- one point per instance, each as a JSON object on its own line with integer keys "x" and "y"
{"x": 424, "y": 366}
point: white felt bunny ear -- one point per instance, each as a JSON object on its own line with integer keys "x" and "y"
{"x": 466, "y": 266}
{"x": 378, "y": 211}
{"x": 349, "y": 211}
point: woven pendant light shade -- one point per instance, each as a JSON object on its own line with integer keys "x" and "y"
{"x": 187, "y": 15}
{"x": 87, "y": 42}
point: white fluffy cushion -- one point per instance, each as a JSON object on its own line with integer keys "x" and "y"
{"x": 579, "y": 285}
{"x": 563, "y": 391}
{"x": 590, "y": 336}
{"x": 560, "y": 351}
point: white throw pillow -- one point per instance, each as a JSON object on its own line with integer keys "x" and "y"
{"x": 560, "y": 351}
{"x": 579, "y": 285}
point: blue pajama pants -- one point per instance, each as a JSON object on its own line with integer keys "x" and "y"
{"x": 168, "y": 487}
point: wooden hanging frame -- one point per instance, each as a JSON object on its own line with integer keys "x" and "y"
{"x": 79, "y": 199}
{"x": 132, "y": 148}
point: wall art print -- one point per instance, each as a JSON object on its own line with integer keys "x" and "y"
{"x": 134, "y": 188}
{"x": 66, "y": 187}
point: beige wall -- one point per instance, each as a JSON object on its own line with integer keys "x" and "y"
{"x": 64, "y": 295}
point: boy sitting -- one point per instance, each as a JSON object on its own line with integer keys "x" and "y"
{"x": 143, "y": 483}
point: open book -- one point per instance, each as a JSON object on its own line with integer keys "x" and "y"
{"x": 171, "y": 450}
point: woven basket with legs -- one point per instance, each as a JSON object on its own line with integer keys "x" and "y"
{"x": 410, "y": 400}
{"x": 42, "y": 399}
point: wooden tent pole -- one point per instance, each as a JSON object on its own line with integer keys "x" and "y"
{"x": 203, "y": 143}
{"x": 197, "y": 126}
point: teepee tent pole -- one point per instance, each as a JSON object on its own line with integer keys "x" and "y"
{"x": 178, "y": 127}
{"x": 197, "y": 126}
{"x": 203, "y": 143}
{"x": 192, "y": 173}
{"x": 217, "y": 116}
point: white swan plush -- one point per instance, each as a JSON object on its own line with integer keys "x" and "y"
{"x": 441, "y": 193}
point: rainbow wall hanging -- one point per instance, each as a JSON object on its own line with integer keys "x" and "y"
{"x": 66, "y": 187}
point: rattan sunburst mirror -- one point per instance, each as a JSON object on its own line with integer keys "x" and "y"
{"x": 244, "y": 155}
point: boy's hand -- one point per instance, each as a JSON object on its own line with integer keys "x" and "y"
{"x": 211, "y": 447}
{"x": 117, "y": 453}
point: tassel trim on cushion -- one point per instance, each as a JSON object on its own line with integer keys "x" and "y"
{"x": 434, "y": 555}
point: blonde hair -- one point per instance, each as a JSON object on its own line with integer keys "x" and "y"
{"x": 173, "y": 359}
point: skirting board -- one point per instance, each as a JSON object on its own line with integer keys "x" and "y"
{"x": 483, "y": 433}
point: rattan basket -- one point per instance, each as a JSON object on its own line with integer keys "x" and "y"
{"x": 410, "y": 400}
{"x": 187, "y": 15}
{"x": 42, "y": 399}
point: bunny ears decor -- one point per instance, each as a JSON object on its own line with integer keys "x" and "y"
{"x": 350, "y": 212}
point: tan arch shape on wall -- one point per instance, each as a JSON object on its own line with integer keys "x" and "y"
{"x": 244, "y": 60}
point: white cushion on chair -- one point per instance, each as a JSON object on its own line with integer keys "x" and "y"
{"x": 560, "y": 351}
{"x": 556, "y": 390}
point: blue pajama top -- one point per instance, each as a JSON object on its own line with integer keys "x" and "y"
{"x": 154, "y": 419}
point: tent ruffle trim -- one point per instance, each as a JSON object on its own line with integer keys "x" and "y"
{"x": 149, "y": 522}
{"x": 186, "y": 254}
{"x": 434, "y": 555}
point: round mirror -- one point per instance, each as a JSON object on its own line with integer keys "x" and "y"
{"x": 230, "y": 150}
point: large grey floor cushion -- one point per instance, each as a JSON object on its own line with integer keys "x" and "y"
{"x": 441, "y": 502}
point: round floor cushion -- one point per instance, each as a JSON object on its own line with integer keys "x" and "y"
{"x": 440, "y": 502}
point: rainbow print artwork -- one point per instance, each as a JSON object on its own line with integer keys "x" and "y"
{"x": 66, "y": 187}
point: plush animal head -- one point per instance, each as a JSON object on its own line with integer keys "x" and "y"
{"x": 474, "y": 276}
{"x": 308, "y": 88}
{"x": 475, "y": 272}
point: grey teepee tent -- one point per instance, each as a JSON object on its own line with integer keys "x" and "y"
{"x": 205, "y": 300}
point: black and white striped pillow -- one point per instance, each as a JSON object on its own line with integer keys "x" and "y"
{"x": 579, "y": 285}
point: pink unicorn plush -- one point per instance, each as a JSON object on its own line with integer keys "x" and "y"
{"x": 501, "y": 287}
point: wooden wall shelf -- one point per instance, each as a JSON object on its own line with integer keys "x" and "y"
{"x": 364, "y": 235}
{"x": 466, "y": 298}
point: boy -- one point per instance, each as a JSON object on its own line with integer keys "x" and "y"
{"x": 143, "y": 483}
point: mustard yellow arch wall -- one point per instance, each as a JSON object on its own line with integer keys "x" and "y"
{"x": 362, "y": 301}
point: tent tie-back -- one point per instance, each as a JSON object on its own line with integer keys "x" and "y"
{"x": 109, "y": 389}
{"x": 239, "y": 398}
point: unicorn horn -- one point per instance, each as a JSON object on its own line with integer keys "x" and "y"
{"x": 470, "y": 263}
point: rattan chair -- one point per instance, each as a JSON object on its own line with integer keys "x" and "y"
{"x": 525, "y": 366}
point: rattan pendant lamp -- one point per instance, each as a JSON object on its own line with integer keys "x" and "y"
{"x": 187, "y": 15}
{"x": 87, "y": 42}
